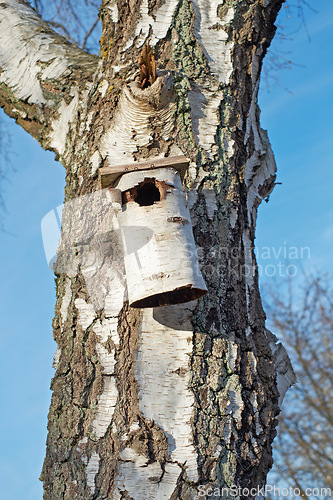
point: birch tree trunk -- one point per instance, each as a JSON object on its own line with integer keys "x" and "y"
{"x": 178, "y": 401}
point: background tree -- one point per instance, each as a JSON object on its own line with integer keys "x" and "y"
{"x": 303, "y": 320}
{"x": 123, "y": 422}
{"x": 278, "y": 59}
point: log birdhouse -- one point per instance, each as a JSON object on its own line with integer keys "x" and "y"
{"x": 160, "y": 255}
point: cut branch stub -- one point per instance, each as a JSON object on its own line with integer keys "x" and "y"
{"x": 160, "y": 254}
{"x": 146, "y": 64}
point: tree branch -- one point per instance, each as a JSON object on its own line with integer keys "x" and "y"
{"x": 41, "y": 74}
{"x": 90, "y": 32}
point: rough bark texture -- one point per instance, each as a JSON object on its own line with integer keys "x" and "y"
{"x": 162, "y": 403}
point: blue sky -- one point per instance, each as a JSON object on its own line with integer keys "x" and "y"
{"x": 299, "y": 214}
{"x": 299, "y": 123}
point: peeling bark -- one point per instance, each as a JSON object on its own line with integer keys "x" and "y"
{"x": 161, "y": 402}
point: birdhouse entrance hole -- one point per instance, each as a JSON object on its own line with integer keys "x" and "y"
{"x": 147, "y": 192}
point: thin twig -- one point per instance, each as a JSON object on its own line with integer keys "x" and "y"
{"x": 90, "y": 32}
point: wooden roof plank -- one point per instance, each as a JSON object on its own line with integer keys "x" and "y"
{"x": 109, "y": 174}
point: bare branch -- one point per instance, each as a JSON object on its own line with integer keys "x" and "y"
{"x": 72, "y": 19}
{"x": 62, "y": 28}
{"x": 90, "y": 32}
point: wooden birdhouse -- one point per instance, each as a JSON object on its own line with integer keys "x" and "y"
{"x": 160, "y": 255}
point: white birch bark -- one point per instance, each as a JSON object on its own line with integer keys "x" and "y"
{"x": 159, "y": 403}
{"x": 40, "y": 75}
